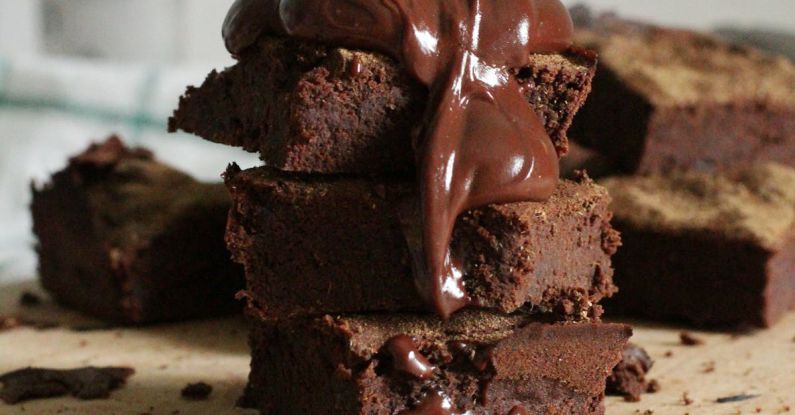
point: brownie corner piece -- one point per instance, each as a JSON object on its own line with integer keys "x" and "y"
{"x": 667, "y": 99}
{"x": 125, "y": 238}
{"x": 304, "y": 108}
{"x": 714, "y": 250}
{"x": 318, "y": 244}
{"x": 478, "y": 362}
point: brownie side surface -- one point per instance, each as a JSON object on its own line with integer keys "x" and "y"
{"x": 483, "y": 363}
{"x": 125, "y": 238}
{"x": 311, "y": 108}
{"x": 668, "y": 99}
{"x": 316, "y": 245}
{"x": 710, "y": 250}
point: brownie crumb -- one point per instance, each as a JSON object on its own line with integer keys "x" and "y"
{"x": 83, "y": 383}
{"x": 688, "y": 339}
{"x": 28, "y": 299}
{"x": 669, "y": 353}
{"x": 686, "y": 399}
{"x": 709, "y": 367}
{"x": 736, "y": 398}
{"x": 653, "y": 386}
{"x": 629, "y": 376}
{"x": 197, "y": 391}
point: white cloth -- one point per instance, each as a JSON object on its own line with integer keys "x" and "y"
{"x": 51, "y": 108}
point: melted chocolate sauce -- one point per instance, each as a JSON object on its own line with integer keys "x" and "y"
{"x": 408, "y": 359}
{"x": 356, "y": 67}
{"x": 481, "y": 142}
{"x": 434, "y": 404}
{"x": 478, "y": 355}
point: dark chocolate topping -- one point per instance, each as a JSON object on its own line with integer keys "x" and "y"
{"x": 479, "y": 355}
{"x": 480, "y": 142}
{"x": 408, "y": 359}
{"x": 434, "y": 404}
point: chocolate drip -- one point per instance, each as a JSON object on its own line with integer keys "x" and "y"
{"x": 408, "y": 359}
{"x": 480, "y": 141}
{"x": 478, "y": 355}
{"x": 356, "y": 66}
{"x": 434, "y": 404}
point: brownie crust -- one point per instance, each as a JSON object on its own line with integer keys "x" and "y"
{"x": 313, "y": 245}
{"x": 311, "y": 108}
{"x": 484, "y": 363}
{"x": 127, "y": 239}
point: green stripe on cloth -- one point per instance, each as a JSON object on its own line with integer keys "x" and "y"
{"x": 137, "y": 121}
{"x": 145, "y": 95}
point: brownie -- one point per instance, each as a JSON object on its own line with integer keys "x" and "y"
{"x": 314, "y": 245}
{"x": 629, "y": 376}
{"x": 479, "y": 363}
{"x": 707, "y": 249}
{"x": 668, "y": 100}
{"x": 127, "y": 239}
{"x": 311, "y": 108}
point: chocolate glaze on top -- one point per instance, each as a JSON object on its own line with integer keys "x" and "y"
{"x": 480, "y": 141}
{"x": 408, "y": 359}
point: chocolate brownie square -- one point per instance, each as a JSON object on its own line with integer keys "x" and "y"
{"x": 667, "y": 99}
{"x": 707, "y": 249}
{"x": 312, "y": 108}
{"x": 127, "y": 239}
{"x": 477, "y": 363}
{"x": 332, "y": 244}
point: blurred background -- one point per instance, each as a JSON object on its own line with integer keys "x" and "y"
{"x": 73, "y": 71}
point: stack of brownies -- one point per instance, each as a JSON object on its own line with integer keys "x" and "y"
{"x": 334, "y": 245}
